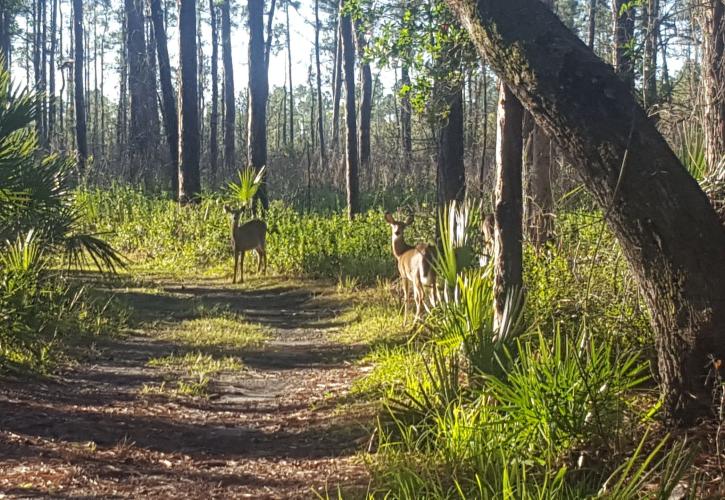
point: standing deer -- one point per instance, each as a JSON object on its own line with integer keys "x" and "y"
{"x": 414, "y": 264}
{"x": 251, "y": 235}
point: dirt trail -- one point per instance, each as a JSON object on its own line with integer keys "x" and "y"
{"x": 271, "y": 430}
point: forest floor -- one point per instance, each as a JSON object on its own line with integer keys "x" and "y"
{"x": 215, "y": 390}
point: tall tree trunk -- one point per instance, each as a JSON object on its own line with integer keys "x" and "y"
{"x": 291, "y": 88}
{"x": 168, "y": 100}
{"x": 592, "y": 24}
{"x": 623, "y": 29}
{"x": 6, "y": 22}
{"x": 268, "y": 38}
{"x": 484, "y": 148}
{"x": 214, "y": 118}
{"x": 189, "y": 140}
{"x": 230, "y": 159}
{"x": 366, "y": 101}
{"x": 121, "y": 117}
{"x": 51, "y": 69}
{"x": 539, "y": 198}
{"x": 406, "y": 135}
{"x": 320, "y": 109}
{"x": 450, "y": 166}
{"x": 649, "y": 63}
{"x": 81, "y": 144}
{"x": 714, "y": 81}
{"x": 351, "y": 146}
{"x": 507, "y": 250}
{"x": 258, "y": 93}
{"x": 668, "y": 230}
{"x": 140, "y": 140}
{"x": 336, "y": 88}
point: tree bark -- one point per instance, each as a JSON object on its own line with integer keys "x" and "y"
{"x": 649, "y": 63}
{"x": 451, "y": 172}
{"x": 366, "y": 101}
{"x": 592, "y": 24}
{"x": 351, "y": 146}
{"x": 81, "y": 143}
{"x": 623, "y": 29}
{"x": 51, "y": 69}
{"x": 6, "y": 21}
{"x": 214, "y": 118}
{"x": 230, "y": 159}
{"x": 336, "y": 88}
{"x": 268, "y": 38}
{"x": 291, "y": 91}
{"x": 189, "y": 139}
{"x": 168, "y": 100}
{"x": 669, "y": 232}
{"x": 713, "y": 72}
{"x": 507, "y": 250}
{"x": 320, "y": 109}
{"x": 258, "y": 92}
{"x": 139, "y": 88}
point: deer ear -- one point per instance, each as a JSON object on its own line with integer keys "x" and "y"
{"x": 389, "y": 218}
{"x": 409, "y": 220}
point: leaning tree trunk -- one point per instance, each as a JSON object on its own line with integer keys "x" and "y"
{"x": 507, "y": 250}
{"x": 451, "y": 172}
{"x": 168, "y": 100}
{"x": 258, "y": 90}
{"x": 714, "y": 80}
{"x": 214, "y": 118}
{"x": 351, "y": 146}
{"x": 229, "y": 107}
{"x": 669, "y": 232}
{"x": 80, "y": 106}
{"x": 189, "y": 139}
{"x": 623, "y": 29}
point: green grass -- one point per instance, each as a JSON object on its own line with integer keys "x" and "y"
{"x": 197, "y": 369}
{"x": 226, "y": 332}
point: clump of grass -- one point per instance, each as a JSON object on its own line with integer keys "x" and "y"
{"x": 223, "y": 332}
{"x": 391, "y": 370}
{"x": 198, "y": 369}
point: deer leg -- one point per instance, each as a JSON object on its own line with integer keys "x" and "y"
{"x": 418, "y": 297}
{"x": 236, "y": 264}
{"x": 241, "y": 268}
{"x": 404, "y": 284}
{"x": 260, "y": 255}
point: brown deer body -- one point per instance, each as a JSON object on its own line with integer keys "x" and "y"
{"x": 414, "y": 265}
{"x": 251, "y": 235}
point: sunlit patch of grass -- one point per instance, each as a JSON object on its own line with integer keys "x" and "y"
{"x": 197, "y": 362}
{"x": 217, "y": 332}
{"x": 199, "y": 369}
{"x": 392, "y": 368}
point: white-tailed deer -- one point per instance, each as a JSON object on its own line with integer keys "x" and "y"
{"x": 251, "y": 235}
{"x": 414, "y": 264}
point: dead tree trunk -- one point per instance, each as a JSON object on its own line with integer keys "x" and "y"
{"x": 507, "y": 251}
{"x": 669, "y": 232}
{"x": 258, "y": 90}
{"x": 81, "y": 142}
{"x": 189, "y": 140}
{"x": 351, "y": 147}
{"x": 168, "y": 100}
